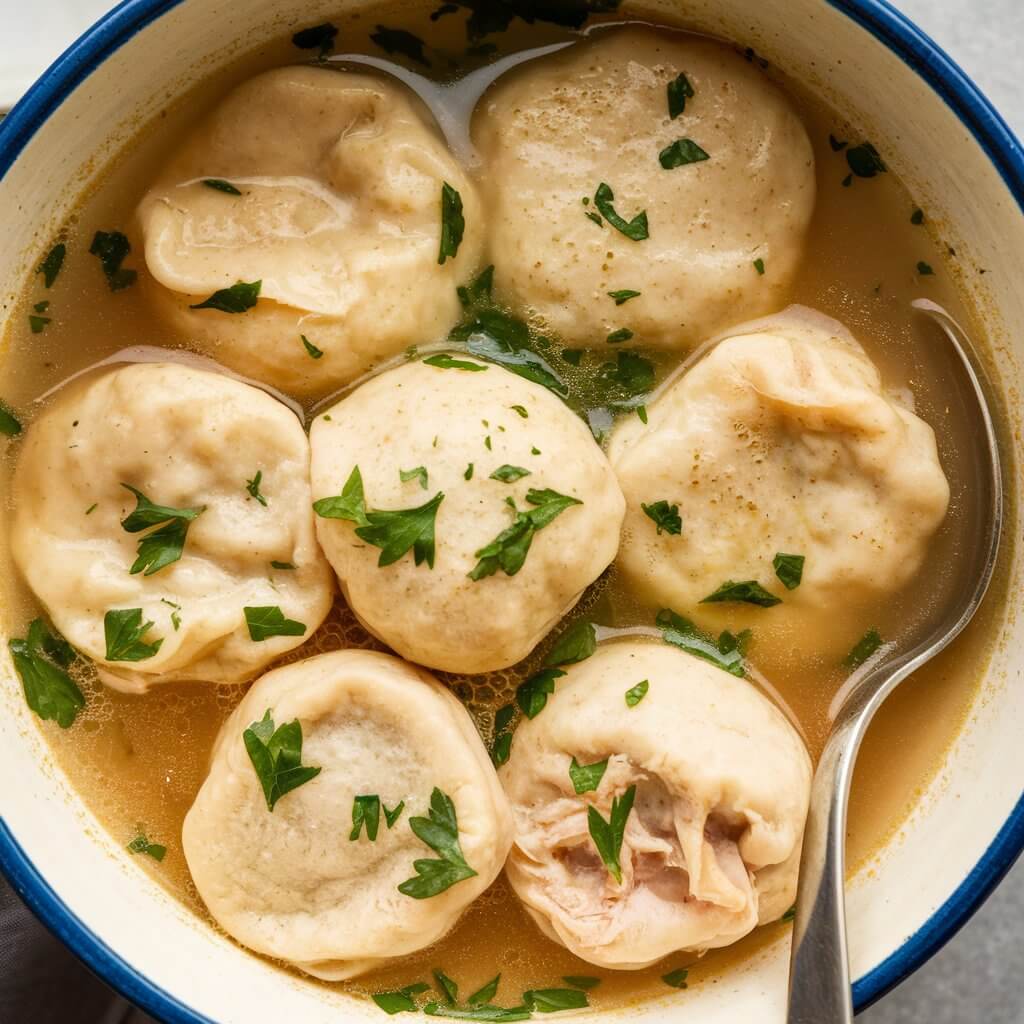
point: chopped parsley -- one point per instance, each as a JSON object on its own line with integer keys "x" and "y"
{"x": 175, "y": 613}
{"x": 10, "y": 425}
{"x": 608, "y": 835}
{"x": 622, "y": 334}
{"x": 446, "y": 986}
{"x": 759, "y": 266}
{"x": 924, "y": 269}
{"x": 37, "y": 324}
{"x": 42, "y": 660}
{"x": 282, "y": 565}
{"x": 443, "y": 361}
{"x": 112, "y": 248}
{"x": 665, "y": 516}
{"x": 727, "y": 654}
{"x": 576, "y": 644}
{"x": 532, "y": 695}
{"x": 397, "y": 40}
{"x": 400, "y": 1001}
{"x": 276, "y": 756}
{"x": 365, "y": 812}
{"x": 680, "y": 153}
{"x": 485, "y": 993}
{"x": 789, "y": 569}
{"x": 318, "y": 37}
{"x": 123, "y": 631}
{"x": 865, "y": 161}
{"x": 239, "y": 298}
{"x": 468, "y": 474}
{"x": 440, "y": 831}
{"x": 311, "y": 350}
{"x": 453, "y": 223}
{"x": 495, "y": 1014}
{"x": 479, "y": 290}
{"x": 789, "y": 915}
{"x": 679, "y": 91}
{"x": 395, "y": 532}
{"x": 141, "y": 844}
{"x": 520, "y": 410}
{"x": 635, "y": 694}
{"x": 265, "y": 621}
{"x": 587, "y": 777}
{"x": 419, "y": 473}
{"x": 676, "y": 978}
{"x": 509, "y": 474}
{"x": 163, "y": 546}
{"x": 917, "y": 217}
{"x": 863, "y": 649}
{"x": 636, "y": 229}
{"x": 253, "y": 487}
{"x": 52, "y": 263}
{"x": 552, "y": 1000}
{"x": 391, "y": 816}
{"x": 509, "y": 549}
{"x": 641, "y": 411}
{"x": 627, "y": 379}
{"x": 501, "y": 745}
{"x": 220, "y": 185}
{"x": 745, "y": 592}
{"x": 836, "y": 144}
{"x": 623, "y": 295}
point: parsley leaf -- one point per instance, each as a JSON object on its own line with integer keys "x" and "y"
{"x": 789, "y": 569}
{"x": 391, "y": 816}
{"x": 532, "y": 695}
{"x": 635, "y": 694}
{"x": 141, "y": 844}
{"x": 265, "y": 621}
{"x": 453, "y": 223}
{"x": 282, "y": 565}
{"x": 112, "y": 248}
{"x": 41, "y": 660}
{"x": 863, "y": 649}
{"x": 478, "y": 290}
{"x": 10, "y": 426}
{"x": 443, "y": 361}
{"x": 253, "y": 487}
{"x": 520, "y": 410}
{"x": 319, "y": 37}
{"x": 468, "y": 474}
{"x": 587, "y": 777}
{"x": 52, "y": 262}
{"x": 865, "y": 161}
{"x": 164, "y": 546}
{"x": 679, "y": 91}
{"x": 311, "y": 350}
{"x": 635, "y": 229}
{"x": 665, "y": 516}
{"x": 677, "y": 978}
{"x": 682, "y": 633}
{"x": 746, "y": 592}
{"x": 349, "y": 505}
{"x": 446, "y": 986}
{"x": 629, "y": 378}
{"x": 509, "y": 549}
{"x": 759, "y": 266}
{"x": 924, "y": 269}
{"x": 394, "y": 1002}
{"x": 917, "y": 217}
{"x": 577, "y": 643}
{"x": 509, "y": 474}
{"x": 123, "y": 630}
{"x": 220, "y": 185}
{"x": 622, "y": 334}
{"x": 623, "y": 295}
{"x": 276, "y": 756}
{"x": 240, "y": 297}
{"x": 397, "y": 40}
{"x": 37, "y": 324}
{"x": 551, "y": 1000}
{"x": 501, "y": 746}
{"x": 496, "y": 1014}
{"x": 680, "y": 153}
{"x": 581, "y": 981}
{"x": 608, "y": 835}
{"x": 485, "y": 993}
{"x": 441, "y": 833}
{"x": 365, "y": 811}
{"x": 419, "y": 473}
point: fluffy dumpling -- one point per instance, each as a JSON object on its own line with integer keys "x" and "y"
{"x": 720, "y": 784}
{"x": 780, "y": 441}
{"x": 316, "y": 881}
{"x": 519, "y": 510}
{"x": 137, "y": 465}
{"x": 339, "y": 219}
{"x": 565, "y": 133}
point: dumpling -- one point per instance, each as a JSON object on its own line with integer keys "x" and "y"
{"x": 719, "y": 783}
{"x": 780, "y": 441}
{"x": 330, "y": 879}
{"x": 510, "y": 510}
{"x": 161, "y": 514}
{"x": 344, "y": 183}
{"x": 595, "y": 190}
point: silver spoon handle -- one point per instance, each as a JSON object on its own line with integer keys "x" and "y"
{"x": 819, "y": 976}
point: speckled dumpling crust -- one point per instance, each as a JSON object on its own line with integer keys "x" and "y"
{"x": 339, "y": 218}
{"x": 462, "y": 426}
{"x": 291, "y": 883}
{"x": 711, "y": 846}
{"x": 186, "y": 438}
{"x": 781, "y": 439}
{"x": 550, "y": 133}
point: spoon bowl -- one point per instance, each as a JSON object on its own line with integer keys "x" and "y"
{"x": 819, "y": 981}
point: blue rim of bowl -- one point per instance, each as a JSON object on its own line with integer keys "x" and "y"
{"x": 991, "y": 132}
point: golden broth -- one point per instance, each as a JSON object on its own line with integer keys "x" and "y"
{"x": 140, "y": 760}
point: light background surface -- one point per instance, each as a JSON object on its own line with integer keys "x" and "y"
{"x": 978, "y": 977}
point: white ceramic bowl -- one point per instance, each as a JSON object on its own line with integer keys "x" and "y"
{"x": 942, "y": 137}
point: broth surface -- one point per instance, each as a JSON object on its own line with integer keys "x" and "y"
{"x": 140, "y": 760}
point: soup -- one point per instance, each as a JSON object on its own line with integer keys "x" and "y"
{"x": 140, "y": 759}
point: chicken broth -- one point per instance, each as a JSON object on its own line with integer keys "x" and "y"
{"x": 138, "y": 761}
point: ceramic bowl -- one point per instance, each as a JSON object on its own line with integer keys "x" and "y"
{"x": 942, "y": 137}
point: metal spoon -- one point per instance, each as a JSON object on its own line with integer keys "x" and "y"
{"x": 819, "y": 979}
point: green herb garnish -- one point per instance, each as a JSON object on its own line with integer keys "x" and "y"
{"x": 635, "y": 694}
{"x": 665, "y": 516}
{"x": 161, "y": 547}
{"x": 276, "y": 756}
{"x": 253, "y": 487}
{"x": 495, "y": 1014}
{"x": 789, "y": 569}
{"x": 576, "y": 644}
{"x": 52, "y": 263}
{"x": 141, "y": 844}
{"x": 485, "y": 993}
{"x": 391, "y": 816}
{"x": 677, "y": 978}
{"x": 319, "y": 37}
{"x": 680, "y": 153}
{"x": 365, "y": 811}
{"x": 551, "y": 1000}
{"x": 924, "y": 269}
{"x": 453, "y": 223}
{"x": 443, "y": 361}
{"x": 727, "y": 654}
{"x": 520, "y": 411}
{"x": 123, "y": 630}
{"x": 917, "y": 217}
{"x": 397, "y": 40}
{"x": 746, "y": 592}
{"x": 679, "y": 91}
{"x": 864, "y": 160}
{"x": 622, "y": 334}
{"x": 581, "y": 981}
{"x": 419, "y": 473}
{"x": 468, "y": 474}
{"x": 311, "y": 349}
{"x": 607, "y": 835}
{"x": 836, "y": 144}
{"x": 220, "y": 185}
{"x": 41, "y": 660}
{"x": 587, "y": 777}
{"x": 112, "y": 248}
{"x": 446, "y": 986}
{"x": 240, "y": 297}
{"x": 863, "y": 649}
{"x": 265, "y": 621}
{"x": 623, "y": 295}
{"x": 636, "y": 229}
{"x": 37, "y": 324}
{"x": 479, "y": 290}
{"x": 440, "y": 831}
{"x": 396, "y": 1002}
{"x": 532, "y": 695}
{"x": 509, "y": 474}
{"x": 789, "y": 915}
{"x": 759, "y": 266}
{"x": 10, "y": 425}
